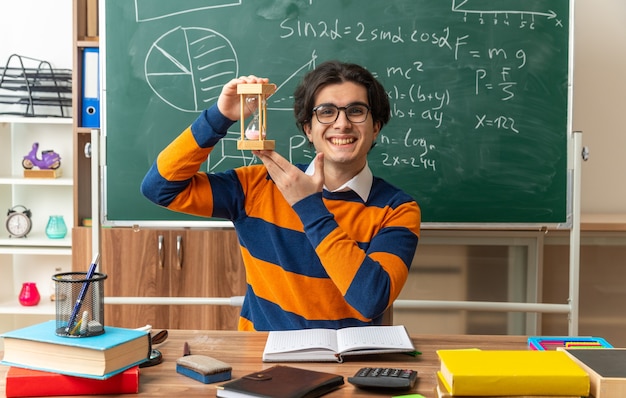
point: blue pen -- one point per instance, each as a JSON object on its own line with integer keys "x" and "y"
{"x": 83, "y": 293}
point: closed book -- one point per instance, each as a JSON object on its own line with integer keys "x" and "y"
{"x": 323, "y": 345}
{"x": 22, "y": 382}
{"x": 442, "y": 392}
{"x": 99, "y": 357}
{"x": 511, "y": 372}
{"x": 281, "y": 382}
{"x": 606, "y": 368}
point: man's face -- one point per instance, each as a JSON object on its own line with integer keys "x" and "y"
{"x": 345, "y": 143}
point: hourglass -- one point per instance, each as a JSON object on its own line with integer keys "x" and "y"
{"x": 253, "y": 136}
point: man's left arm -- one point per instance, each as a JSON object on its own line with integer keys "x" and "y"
{"x": 370, "y": 279}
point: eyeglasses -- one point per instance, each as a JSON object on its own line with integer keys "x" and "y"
{"x": 329, "y": 113}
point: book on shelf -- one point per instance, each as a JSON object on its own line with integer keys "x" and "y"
{"x": 21, "y": 382}
{"x": 511, "y": 372}
{"x": 281, "y": 382}
{"x": 541, "y": 343}
{"x": 100, "y": 357}
{"x": 442, "y": 392}
{"x": 326, "y": 345}
{"x": 606, "y": 369}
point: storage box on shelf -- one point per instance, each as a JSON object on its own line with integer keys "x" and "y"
{"x": 34, "y": 258}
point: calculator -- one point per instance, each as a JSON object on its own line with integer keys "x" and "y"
{"x": 384, "y": 378}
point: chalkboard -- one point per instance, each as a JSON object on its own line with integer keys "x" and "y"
{"x": 479, "y": 94}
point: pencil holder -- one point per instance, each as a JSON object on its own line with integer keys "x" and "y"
{"x": 79, "y": 304}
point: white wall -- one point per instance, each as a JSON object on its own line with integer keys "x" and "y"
{"x": 40, "y": 29}
{"x": 600, "y": 102}
{"x": 43, "y": 29}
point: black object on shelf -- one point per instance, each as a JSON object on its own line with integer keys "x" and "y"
{"x": 32, "y": 87}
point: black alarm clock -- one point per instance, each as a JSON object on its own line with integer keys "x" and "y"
{"x": 18, "y": 221}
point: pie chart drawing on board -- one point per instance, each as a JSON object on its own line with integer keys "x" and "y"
{"x": 187, "y": 67}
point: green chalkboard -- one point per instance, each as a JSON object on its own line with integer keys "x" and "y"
{"x": 479, "y": 94}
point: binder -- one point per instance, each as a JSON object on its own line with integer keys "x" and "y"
{"x": 91, "y": 88}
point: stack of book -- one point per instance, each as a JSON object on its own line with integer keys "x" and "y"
{"x": 44, "y": 364}
{"x": 509, "y": 373}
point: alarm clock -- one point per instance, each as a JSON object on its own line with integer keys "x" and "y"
{"x": 18, "y": 221}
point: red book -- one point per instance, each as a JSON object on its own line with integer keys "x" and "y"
{"x": 22, "y": 382}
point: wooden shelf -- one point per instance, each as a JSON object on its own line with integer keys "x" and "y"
{"x": 86, "y": 43}
{"x": 603, "y": 222}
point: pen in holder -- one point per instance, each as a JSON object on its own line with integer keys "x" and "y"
{"x": 79, "y": 303}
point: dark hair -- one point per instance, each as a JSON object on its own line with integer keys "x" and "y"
{"x": 335, "y": 72}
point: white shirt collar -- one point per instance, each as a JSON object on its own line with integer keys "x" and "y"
{"x": 360, "y": 183}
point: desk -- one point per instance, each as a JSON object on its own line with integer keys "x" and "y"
{"x": 242, "y": 350}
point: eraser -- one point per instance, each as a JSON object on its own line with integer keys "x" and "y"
{"x": 203, "y": 368}
{"x": 94, "y": 326}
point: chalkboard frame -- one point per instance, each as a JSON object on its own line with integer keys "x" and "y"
{"x": 184, "y": 221}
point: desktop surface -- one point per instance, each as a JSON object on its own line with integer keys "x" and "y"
{"x": 243, "y": 350}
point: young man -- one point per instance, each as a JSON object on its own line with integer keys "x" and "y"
{"x": 325, "y": 245}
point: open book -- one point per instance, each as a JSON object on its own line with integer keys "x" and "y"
{"x": 325, "y": 345}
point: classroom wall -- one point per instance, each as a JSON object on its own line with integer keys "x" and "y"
{"x": 600, "y": 102}
{"x": 40, "y": 29}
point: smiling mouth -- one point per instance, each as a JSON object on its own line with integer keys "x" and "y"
{"x": 342, "y": 141}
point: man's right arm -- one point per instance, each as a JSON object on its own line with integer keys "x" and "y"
{"x": 173, "y": 180}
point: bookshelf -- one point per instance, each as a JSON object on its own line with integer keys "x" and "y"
{"x": 34, "y": 258}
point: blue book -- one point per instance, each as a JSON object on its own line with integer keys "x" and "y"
{"x": 98, "y": 357}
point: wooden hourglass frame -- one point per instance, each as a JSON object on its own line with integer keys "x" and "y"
{"x": 262, "y": 91}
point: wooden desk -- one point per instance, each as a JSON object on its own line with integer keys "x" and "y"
{"x": 243, "y": 351}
